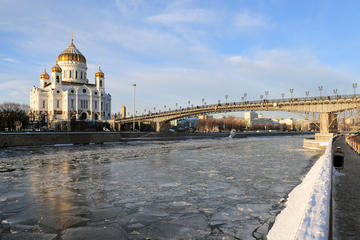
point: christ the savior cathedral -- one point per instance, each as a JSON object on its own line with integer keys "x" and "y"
{"x": 67, "y": 94}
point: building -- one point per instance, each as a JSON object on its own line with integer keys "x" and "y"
{"x": 67, "y": 94}
{"x": 250, "y": 117}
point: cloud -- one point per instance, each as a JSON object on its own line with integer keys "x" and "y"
{"x": 194, "y": 15}
{"x": 128, "y": 6}
{"x": 9, "y": 59}
{"x": 246, "y": 20}
{"x": 278, "y": 70}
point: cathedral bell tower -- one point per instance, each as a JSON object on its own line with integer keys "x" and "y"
{"x": 100, "y": 80}
{"x": 44, "y": 78}
{"x": 56, "y": 75}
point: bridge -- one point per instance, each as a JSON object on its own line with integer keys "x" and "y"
{"x": 327, "y": 106}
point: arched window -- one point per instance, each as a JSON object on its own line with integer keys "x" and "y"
{"x": 100, "y": 83}
{"x": 57, "y": 79}
{"x": 70, "y": 74}
{"x": 76, "y": 75}
{"x": 81, "y": 75}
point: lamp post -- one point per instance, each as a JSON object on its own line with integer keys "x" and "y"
{"x": 176, "y": 104}
{"x": 266, "y": 94}
{"x": 282, "y": 95}
{"x": 189, "y": 103}
{"x": 245, "y": 94}
{"x": 226, "y": 98}
{"x": 261, "y": 97}
{"x": 291, "y": 92}
{"x": 219, "y": 101}
{"x": 335, "y": 91}
{"x": 202, "y": 101}
{"x": 320, "y": 89}
{"x": 307, "y": 93}
{"x": 354, "y": 85}
{"x": 134, "y": 85}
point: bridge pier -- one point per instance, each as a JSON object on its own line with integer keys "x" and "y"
{"x": 328, "y": 126}
{"x": 328, "y": 123}
{"x": 161, "y": 126}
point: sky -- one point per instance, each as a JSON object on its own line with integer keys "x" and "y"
{"x": 183, "y": 50}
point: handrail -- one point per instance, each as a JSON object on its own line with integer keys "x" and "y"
{"x": 246, "y": 103}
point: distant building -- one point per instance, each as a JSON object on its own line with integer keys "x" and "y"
{"x": 288, "y": 121}
{"x": 67, "y": 94}
{"x": 250, "y": 116}
{"x": 203, "y": 116}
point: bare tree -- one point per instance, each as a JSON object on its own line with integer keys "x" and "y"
{"x": 13, "y": 115}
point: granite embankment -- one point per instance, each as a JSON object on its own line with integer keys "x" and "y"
{"x": 54, "y": 138}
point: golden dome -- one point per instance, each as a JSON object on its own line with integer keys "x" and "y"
{"x": 44, "y": 75}
{"x": 99, "y": 73}
{"x": 71, "y": 53}
{"x": 56, "y": 68}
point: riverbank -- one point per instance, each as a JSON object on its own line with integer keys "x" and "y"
{"x": 54, "y": 138}
{"x": 307, "y": 211}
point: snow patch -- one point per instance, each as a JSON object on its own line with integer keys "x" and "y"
{"x": 306, "y": 215}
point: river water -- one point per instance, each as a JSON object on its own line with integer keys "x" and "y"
{"x": 193, "y": 189}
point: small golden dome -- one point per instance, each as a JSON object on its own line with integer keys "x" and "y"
{"x": 44, "y": 75}
{"x": 71, "y": 53}
{"x": 99, "y": 73}
{"x": 56, "y": 68}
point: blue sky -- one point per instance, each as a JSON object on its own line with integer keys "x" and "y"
{"x": 183, "y": 50}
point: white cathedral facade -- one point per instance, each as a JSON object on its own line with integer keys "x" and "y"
{"x": 67, "y": 94}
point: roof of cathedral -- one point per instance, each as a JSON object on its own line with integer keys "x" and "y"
{"x": 78, "y": 84}
{"x": 44, "y": 75}
{"x": 99, "y": 73}
{"x": 56, "y": 68}
{"x": 71, "y": 53}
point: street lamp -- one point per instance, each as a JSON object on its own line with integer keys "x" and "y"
{"x": 202, "y": 101}
{"x": 261, "y": 97}
{"x": 226, "y": 98}
{"x": 134, "y": 85}
{"x": 176, "y": 104}
{"x": 307, "y": 93}
{"x": 282, "y": 95}
{"x": 354, "y": 85}
{"x": 320, "y": 89}
{"x": 291, "y": 92}
{"x": 266, "y": 94}
{"x": 189, "y": 103}
{"x": 219, "y": 101}
{"x": 335, "y": 91}
{"x": 245, "y": 94}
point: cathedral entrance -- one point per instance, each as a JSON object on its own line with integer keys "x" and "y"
{"x": 83, "y": 116}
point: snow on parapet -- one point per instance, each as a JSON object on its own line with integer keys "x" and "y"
{"x": 306, "y": 215}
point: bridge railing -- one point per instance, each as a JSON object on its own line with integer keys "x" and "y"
{"x": 255, "y": 102}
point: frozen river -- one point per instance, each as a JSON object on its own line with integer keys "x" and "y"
{"x": 195, "y": 189}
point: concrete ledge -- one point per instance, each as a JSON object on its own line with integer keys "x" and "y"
{"x": 54, "y": 138}
{"x": 321, "y": 141}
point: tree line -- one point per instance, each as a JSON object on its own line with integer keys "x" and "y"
{"x": 13, "y": 116}
{"x": 238, "y": 124}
